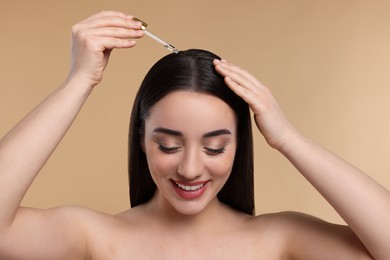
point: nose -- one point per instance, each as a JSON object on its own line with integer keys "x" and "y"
{"x": 191, "y": 165}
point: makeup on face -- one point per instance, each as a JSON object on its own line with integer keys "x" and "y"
{"x": 171, "y": 141}
{"x": 189, "y": 190}
{"x": 211, "y": 143}
{"x": 190, "y": 143}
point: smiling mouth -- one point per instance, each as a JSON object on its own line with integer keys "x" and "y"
{"x": 192, "y": 187}
{"x": 189, "y": 188}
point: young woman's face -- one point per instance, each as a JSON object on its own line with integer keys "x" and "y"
{"x": 190, "y": 143}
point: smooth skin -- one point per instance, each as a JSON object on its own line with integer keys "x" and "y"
{"x": 157, "y": 230}
{"x": 201, "y": 149}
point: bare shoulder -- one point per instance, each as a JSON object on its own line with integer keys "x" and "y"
{"x": 57, "y": 233}
{"x": 302, "y": 236}
{"x": 74, "y": 232}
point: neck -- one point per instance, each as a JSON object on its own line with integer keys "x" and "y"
{"x": 162, "y": 209}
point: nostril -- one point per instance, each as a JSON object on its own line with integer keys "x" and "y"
{"x": 189, "y": 176}
{"x": 191, "y": 165}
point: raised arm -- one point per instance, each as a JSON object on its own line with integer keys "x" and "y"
{"x": 27, "y": 146}
{"x": 345, "y": 187}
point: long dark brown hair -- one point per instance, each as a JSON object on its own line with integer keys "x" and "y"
{"x": 190, "y": 70}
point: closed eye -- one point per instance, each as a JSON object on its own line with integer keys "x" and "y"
{"x": 166, "y": 149}
{"x": 212, "y": 151}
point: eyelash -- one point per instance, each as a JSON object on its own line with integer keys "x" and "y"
{"x": 209, "y": 151}
{"x": 168, "y": 149}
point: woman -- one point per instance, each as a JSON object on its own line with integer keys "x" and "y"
{"x": 190, "y": 71}
{"x": 189, "y": 143}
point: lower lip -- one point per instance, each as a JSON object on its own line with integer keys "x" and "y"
{"x": 189, "y": 195}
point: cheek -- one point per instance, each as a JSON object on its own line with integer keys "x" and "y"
{"x": 160, "y": 165}
{"x": 221, "y": 167}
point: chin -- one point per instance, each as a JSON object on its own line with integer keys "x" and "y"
{"x": 191, "y": 207}
{"x": 189, "y": 210}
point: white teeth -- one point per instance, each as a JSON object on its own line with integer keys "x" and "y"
{"x": 190, "y": 188}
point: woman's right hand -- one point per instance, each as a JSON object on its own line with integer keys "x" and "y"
{"x": 94, "y": 38}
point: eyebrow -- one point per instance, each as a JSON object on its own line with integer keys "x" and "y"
{"x": 217, "y": 133}
{"x": 178, "y": 133}
{"x": 167, "y": 131}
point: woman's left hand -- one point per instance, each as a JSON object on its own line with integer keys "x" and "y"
{"x": 327, "y": 172}
{"x": 269, "y": 118}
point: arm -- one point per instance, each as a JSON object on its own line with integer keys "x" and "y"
{"x": 360, "y": 201}
{"x": 26, "y": 147}
{"x": 344, "y": 186}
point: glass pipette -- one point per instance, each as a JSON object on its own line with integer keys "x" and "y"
{"x": 154, "y": 37}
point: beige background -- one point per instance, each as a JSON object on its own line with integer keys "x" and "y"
{"x": 327, "y": 62}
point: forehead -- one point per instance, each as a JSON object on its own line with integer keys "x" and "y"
{"x": 187, "y": 111}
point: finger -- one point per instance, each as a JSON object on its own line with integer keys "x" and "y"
{"x": 244, "y": 85}
{"x": 237, "y": 88}
{"x": 114, "y": 21}
{"x": 229, "y": 68}
{"x": 108, "y": 43}
{"x": 237, "y": 74}
{"x": 115, "y": 32}
{"x": 109, "y": 21}
{"x": 222, "y": 68}
{"x": 246, "y": 94}
{"x": 98, "y": 38}
{"x": 102, "y": 43}
{"x": 108, "y": 13}
{"x": 241, "y": 86}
